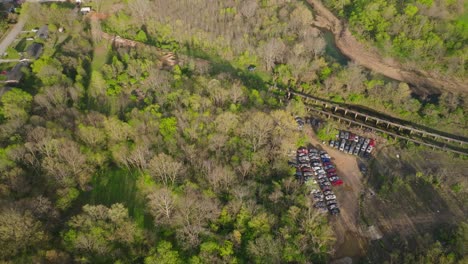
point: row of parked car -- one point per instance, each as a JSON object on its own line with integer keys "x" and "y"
{"x": 353, "y": 144}
{"x": 316, "y": 166}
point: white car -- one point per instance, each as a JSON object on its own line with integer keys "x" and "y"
{"x": 330, "y": 197}
{"x": 314, "y": 191}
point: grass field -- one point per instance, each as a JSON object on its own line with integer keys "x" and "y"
{"x": 119, "y": 186}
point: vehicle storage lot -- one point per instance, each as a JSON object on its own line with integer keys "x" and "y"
{"x": 351, "y": 239}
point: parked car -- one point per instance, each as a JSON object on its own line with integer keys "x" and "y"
{"x": 330, "y": 197}
{"x": 325, "y": 188}
{"x": 337, "y": 144}
{"x": 331, "y": 170}
{"x": 334, "y": 178}
{"x": 302, "y": 150}
{"x": 315, "y": 191}
{"x": 320, "y": 205}
{"x": 342, "y": 144}
{"x": 342, "y": 134}
{"x": 356, "y": 139}
{"x": 346, "y": 135}
{"x": 330, "y": 202}
{"x": 364, "y": 147}
{"x": 323, "y": 180}
{"x": 335, "y": 211}
{"x": 328, "y": 192}
{"x": 331, "y": 143}
{"x": 357, "y": 149}
{"x": 321, "y": 176}
{"x": 372, "y": 142}
{"x": 337, "y": 182}
{"x": 333, "y": 206}
{"x": 319, "y": 199}
{"x": 313, "y": 150}
{"x": 327, "y": 183}
{"x": 352, "y": 147}
{"x": 369, "y": 149}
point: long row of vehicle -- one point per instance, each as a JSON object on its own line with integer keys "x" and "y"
{"x": 353, "y": 144}
{"x": 311, "y": 162}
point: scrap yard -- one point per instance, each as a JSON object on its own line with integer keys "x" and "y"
{"x": 315, "y": 168}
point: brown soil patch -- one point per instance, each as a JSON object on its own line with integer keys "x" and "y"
{"x": 371, "y": 59}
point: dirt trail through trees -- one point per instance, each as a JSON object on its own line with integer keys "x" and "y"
{"x": 432, "y": 82}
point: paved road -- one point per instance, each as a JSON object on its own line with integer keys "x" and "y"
{"x": 14, "y": 60}
{"x": 11, "y": 36}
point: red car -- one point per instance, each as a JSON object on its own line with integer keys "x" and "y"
{"x": 331, "y": 170}
{"x": 372, "y": 143}
{"x": 337, "y": 182}
{"x": 304, "y": 169}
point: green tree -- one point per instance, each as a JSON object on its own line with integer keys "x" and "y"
{"x": 164, "y": 254}
{"x": 16, "y": 104}
{"x": 19, "y": 232}
{"x": 100, "y": 234}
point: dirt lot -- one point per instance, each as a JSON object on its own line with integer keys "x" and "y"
{"x": 406, "y": 197}
{"x": 351, "y": 240}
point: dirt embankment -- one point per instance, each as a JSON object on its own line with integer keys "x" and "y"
{"x": 431, "y": 82}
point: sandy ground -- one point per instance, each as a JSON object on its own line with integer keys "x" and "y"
{"x": 371, "y": 59}
{"x": 351, "y": 241}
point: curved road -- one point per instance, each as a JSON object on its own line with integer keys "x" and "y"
{"x": 431, "y": 81}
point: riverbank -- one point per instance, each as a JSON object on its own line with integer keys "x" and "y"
{"x": 424, "y": 81}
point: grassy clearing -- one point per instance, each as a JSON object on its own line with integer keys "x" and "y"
{"x": 119, "y": 186}
{"x": 100, "y": 54}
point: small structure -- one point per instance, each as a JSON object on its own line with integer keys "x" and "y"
{"x": 43, "y": 32}
{"x": 85, "y": 10}
{"x": 34, "y": 50}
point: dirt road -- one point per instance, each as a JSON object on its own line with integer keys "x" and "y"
{"x": 351, "y": 241}
{"x": 430, "y": 82}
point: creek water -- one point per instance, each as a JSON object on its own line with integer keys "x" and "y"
{"x": 332, "y": 50}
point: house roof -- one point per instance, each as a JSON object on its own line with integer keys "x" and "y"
{"x": 43, "y": 32}
{"x": 34, "y": 50}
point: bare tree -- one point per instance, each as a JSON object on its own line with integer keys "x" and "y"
{"x": 257, "y": 129}
{"x": 162, "y": 205}
{"x": 272, "y": 52}
{"x": 193, "y": 215}
{"x": 248, "y": 8}
{"x": 165, "y": 169}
